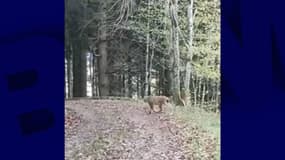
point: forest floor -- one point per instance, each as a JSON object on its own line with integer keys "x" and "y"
{"x": 122, "y": 129}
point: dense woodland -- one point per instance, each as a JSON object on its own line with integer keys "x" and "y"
{"x": 137, "y": 48}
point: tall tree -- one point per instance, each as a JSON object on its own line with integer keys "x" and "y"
{"x": 188, "y": 67}
{"x": 78, "y": 44}
{"x": 102, "y": 50}
{"x": 176, "y": 53}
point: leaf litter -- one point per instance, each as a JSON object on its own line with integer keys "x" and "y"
{"x": 123, "y": 130}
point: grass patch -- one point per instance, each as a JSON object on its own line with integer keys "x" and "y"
{"x": 208, "y": 121}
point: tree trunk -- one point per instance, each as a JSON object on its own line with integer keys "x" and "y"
{"x": 65, "y": 79}
{"x": 167, "y": 62}
{"x": 103, "y": 60}
{"x": 91, "y": 72}
{"x": 176, "y": 53}
{"x": 195, "y": 86}
{"x": 69, "y": 76}
{"x": 199, "y": 90}
{"x": 149, "y": 72}
{"x": 160, "y": 80}
{"x": 204, "y": 83}
{"x": 146, "y": 86}
{"x": 94, "y": 82}
{"x": 123, "y": 85}
{"x": 218, "y": 94}
{"x": 79, "y": 69}
{"x": 129, "y": 74}
{"x": 168, "y": 83}
{"x": 146, "y": 73}
{"x": 68, "y": 55}
{"x": 188, "y": 67}
{"x": 142, "y": 81}
{"x": 169, "y": 69}
{"x": 138, "y": 86}
{"x": 163, "y": 79}
{"x": 208, "y": 91}
{"x": 130, "y": 86}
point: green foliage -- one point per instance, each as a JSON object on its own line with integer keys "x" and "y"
{"x": 208, "y": 121}
{"x": 128, "y": 22}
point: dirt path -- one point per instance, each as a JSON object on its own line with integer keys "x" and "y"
{"x": 112, "y": 129}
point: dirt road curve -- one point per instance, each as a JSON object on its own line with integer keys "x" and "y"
{"x": 113, "y": 129}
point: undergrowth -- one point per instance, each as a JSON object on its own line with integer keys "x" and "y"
{"x": 208, "y": 121}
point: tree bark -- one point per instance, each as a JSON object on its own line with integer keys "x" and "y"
{"x": 129, "y": 74}
{"x": 79, "y": 70}
{"x": 149, "y": 72}
{"x": 77, "y": 13}
{"x": 138, "y": 85}
{"x": 69, "y": 76}
{"x": 168, "y": 83}
{"x": 176, "y": 53}
{"x": 147, "y": 62}
{"x": 103, "y": 60}
{"x": 142, "y": 81}
{"x": 195, "y": 86}
{"x": 94, "y": 81}
{"x": 130, "y": 86}
{"x": 204, "y": 83}
{"x": 90, "y": 79}
{"x": 188, "y": 67}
